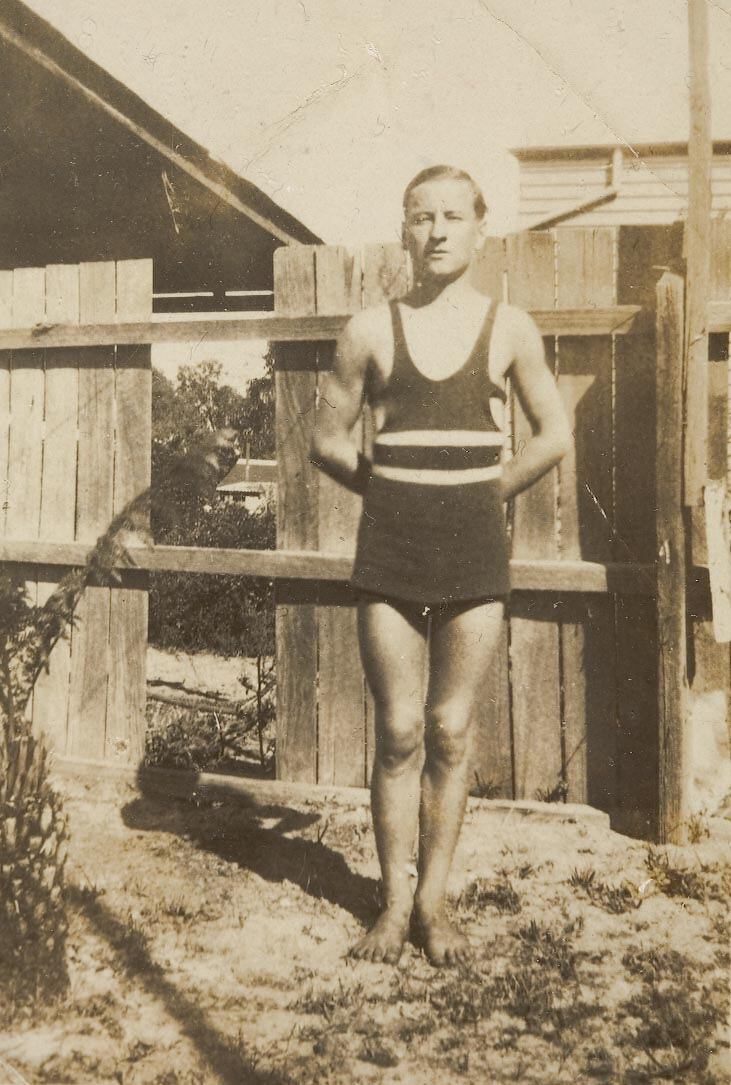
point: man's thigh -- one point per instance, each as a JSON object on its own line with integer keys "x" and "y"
{"x": 393, "y": 651}
{"x": 463, "y": 641}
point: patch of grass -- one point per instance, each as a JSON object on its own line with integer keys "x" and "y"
{"x": 559, "y": 793}
{"x": 669, "y": 1028}
{"x": 698, "y": 829}
{"x": 482, "y": 892}
{"x": 671, "y": 880}
{"x": 485, "y": 789}
{"x": 378, "y": 1053}
{"x": 612, "y": 898}
{"x": 326, "y": 1003}
{"x": 549, "y": 949}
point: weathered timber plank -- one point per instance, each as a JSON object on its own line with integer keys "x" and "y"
{"x": 25, "y": 444}
{"x": 534, "y": 639}
{"x": 6, "y": 319}
{"x": 616, "y": 320}
{"x": 674, "y": 776}
{"x": 493, "y": 755}
{"x": 585, "y": 274}
{"x": 698, "y": 257}
{"x": 643, "y": 252}
{"x": 90, "y": 651}
{"x": 297, "y": 511}
{"x": 385, "y": 276}
{"x": 488, "y": 268}
{"x": 526, "y": 575}
{"x": 341, "y": 721}
{"x": 126, "y": 691}
{"x": 58, "y": 491}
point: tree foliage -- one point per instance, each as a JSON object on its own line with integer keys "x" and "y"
{"x": 230, "y": 615}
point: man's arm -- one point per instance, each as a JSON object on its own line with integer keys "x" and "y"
{"x": 538, "y": 396}
{"x": 341, "y": 401}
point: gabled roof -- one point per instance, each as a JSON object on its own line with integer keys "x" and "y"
{"x": 31, "y": 34}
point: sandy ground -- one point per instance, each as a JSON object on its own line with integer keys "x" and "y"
{"x": 208, "y": 943}
{"x": 203, "y": 672}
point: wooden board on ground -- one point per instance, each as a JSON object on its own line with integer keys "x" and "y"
{"x": 534, "y": 641}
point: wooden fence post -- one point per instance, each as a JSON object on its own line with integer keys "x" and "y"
{"x": 671, "y": 563}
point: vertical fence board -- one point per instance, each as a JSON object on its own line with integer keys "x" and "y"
{"x": 90, "y": 653}
{"x": 709, "y": 663}
{"x": 492, "y": 754}
{"x": 341, "y": 738}
{"x": 643, "y": 252}
{"x": 6, "y": 321}
{"x": 674, "y": 779}
{"x": 297, "y": 509}
{"x": 534, "y": 643}
{"x": 126, "y": 692}
{"x": 488, "y": 269}
{"x": 585, "y": 276}
{"x": 385, "y": 276}
{"x": 58, "y": 490}
{"x": 25, "y": 445}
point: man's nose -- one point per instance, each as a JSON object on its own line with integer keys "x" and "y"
{"x": 439, "y": 225}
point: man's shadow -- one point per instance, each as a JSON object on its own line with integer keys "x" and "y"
{"x": 234, "y": 832}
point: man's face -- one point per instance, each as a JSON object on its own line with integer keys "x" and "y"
{"x": 441, "y": 229}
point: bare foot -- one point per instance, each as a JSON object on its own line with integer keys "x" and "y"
{"x": 440, "y": 940}
{"x": 386, "y": 938}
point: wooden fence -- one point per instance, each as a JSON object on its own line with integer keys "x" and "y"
{"x": 575, "y": 701}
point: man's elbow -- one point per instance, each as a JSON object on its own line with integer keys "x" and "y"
{"x": 563, "y": 442}
{"x": 320, "y": 450}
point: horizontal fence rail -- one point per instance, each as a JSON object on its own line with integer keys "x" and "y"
{"x": 608, "y": 320}
{"x": 557, "y": 576}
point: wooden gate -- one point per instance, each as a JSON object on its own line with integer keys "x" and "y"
{"x": 571, "y": 704}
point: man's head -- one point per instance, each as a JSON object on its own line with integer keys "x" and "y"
{"x": 444, "y": 219}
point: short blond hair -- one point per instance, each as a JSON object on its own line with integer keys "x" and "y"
{"x": 448, "y": 173}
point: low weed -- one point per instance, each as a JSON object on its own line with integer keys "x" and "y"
{"x": 669, "y": 1028}
{"x": 612, "y": 898}
{"x": 671, "y": 880}
{"x": 548, "y": 949}
{"x": 485, "y": 789}
{"x": 499, "y": 894}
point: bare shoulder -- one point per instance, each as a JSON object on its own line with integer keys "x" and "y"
{"x": 368, "y": 325}
{"x": 362, "y": 337}
{"x": 517, "y": 322}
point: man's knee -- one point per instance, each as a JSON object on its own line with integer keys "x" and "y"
{"x": 400, "y": 737}
{"x": 448, "y": 735}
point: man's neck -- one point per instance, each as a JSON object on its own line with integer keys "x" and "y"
{"x": 428, "y": 291}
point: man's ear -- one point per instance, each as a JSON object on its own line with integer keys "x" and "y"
{"x": 481, "y": 233}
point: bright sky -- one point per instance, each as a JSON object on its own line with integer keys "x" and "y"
{"x": 331, "y": 106}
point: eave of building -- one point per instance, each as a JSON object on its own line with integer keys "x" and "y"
{"x": 29, "y": 33}
{"x": 604, "y": 150}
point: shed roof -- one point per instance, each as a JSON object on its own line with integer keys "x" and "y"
{"x": 91, "y": 171}
{"x": 249, "y": 476}
{"x": 599, "y": 150}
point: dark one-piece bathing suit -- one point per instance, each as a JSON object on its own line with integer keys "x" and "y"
{"x": 432, "y": 530}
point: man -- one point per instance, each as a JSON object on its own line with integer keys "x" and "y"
{"x": 431, "y": 565}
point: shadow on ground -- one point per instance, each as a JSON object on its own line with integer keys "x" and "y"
{"x": 238, "y": 834}
{"x": 227, "y": 1059}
